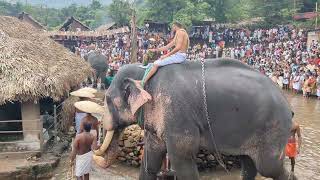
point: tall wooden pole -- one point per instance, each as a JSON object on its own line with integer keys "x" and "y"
{"x": 134, "y": 47}
{"x": 316, "y": 15}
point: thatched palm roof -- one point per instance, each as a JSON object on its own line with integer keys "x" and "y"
{"x": 29, "y": 19}
{"x": 124, "y": 29}
{"x": 33, "y": 66}
{"x": 71, "y": 24}
{"x": 105, "y": 27}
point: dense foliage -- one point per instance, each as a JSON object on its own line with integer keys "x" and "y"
{"x": 185, "y": 11}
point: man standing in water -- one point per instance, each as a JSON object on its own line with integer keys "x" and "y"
{"x": 291, "y": 149}
{"x": 177, "y": 55}
{"x": 82, "y": 152}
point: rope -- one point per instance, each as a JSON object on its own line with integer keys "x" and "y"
{"x": 140, "y": 116}
{"x": 141, "y": 120}
{"x": 146, "y": 73}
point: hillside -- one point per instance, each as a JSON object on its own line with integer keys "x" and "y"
{"x": 58, "y": 3}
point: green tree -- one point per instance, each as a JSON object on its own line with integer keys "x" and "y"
{"x": 120, "y": 11}
{"x": 69, "y": 11}
{"x": 95, "y": 5}
{"x": 218, "y": 9}
{"x": 192, "y": 12}
{"x": 164, "y": 10}
{"x": 238, "y": 10}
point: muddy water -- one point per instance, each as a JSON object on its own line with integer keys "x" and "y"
{"x": 307, "y": 114}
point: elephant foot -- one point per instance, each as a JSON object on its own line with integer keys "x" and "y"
{"x": 248, "y": 168}
{"x": 287, "y": 176}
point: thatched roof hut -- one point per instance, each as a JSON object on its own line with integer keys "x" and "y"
{"x": 33, "y": 66}
{"x": 107, "y": 27}
{"x": 73, "y": 24}
{"x": 25, "y": 17}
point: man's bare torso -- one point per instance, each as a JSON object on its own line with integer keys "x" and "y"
{"x": 185, "y": 40}
{"x": 293, "y": 131}
{"x": 84, "y": 142}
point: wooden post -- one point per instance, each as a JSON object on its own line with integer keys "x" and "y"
{"x": 316, "y": 15}
{"x": 55, "y": 122}
{"x": 134, "y": 48}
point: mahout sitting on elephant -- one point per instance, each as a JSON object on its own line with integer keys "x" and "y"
{"x": 248, "y": 114}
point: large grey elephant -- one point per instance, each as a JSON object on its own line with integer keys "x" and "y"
{"x": 99, "y": 63}
{"x": 249, "y": 117}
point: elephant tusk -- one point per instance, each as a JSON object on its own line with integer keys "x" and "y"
{"x": 105, "y": 144}
{"x": 106, "y": 120}
{"x": 100, "y": 161}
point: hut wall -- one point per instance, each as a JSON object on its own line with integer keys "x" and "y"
{"x": 32, "y": 130}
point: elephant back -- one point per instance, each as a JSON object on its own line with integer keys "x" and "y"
{"x": 97, "y": 60}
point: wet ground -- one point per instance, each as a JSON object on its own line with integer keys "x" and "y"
{"x": 307, "y": 114}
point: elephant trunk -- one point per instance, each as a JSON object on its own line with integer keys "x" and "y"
{"x": 108, "y": 152}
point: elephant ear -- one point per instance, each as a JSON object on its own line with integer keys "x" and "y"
{"x": 135, "y": 95}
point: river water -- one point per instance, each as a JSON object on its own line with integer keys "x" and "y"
{"x": 307, "y": 114}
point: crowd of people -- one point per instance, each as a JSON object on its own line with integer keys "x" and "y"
{"x": 281, "y": 53}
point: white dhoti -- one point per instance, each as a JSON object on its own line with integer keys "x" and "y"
{"x": 83, "y": 164}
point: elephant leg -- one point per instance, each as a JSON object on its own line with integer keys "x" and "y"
{"x": 182, "y": 150}
{"x": 248, "y": 168}
{"x": 154, "y": 153}
{"x": 271, "y": 166}
{"x": 285, "y": 175}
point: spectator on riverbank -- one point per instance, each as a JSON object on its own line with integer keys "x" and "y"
{"x": 318, "y": 86}
{"x": 280, "y": 53}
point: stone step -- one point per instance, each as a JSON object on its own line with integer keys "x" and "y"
{"x": 19, "y": 154}
{"x": 15, "y": 147}
{"x": 21, "y": 168}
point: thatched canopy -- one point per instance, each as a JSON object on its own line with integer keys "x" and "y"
{"x": 124, "y": 29}
{"x": 73, "y": 24}
{"x": 33, "y": 66}
{"x": 106, "y": 27}
{"x": 27, "y": 18}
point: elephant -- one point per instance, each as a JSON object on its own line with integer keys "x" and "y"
{"x": 99, "y": 63}
{"x": 248, "y": 116}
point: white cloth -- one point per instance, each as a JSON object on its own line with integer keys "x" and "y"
{"x": 173, "y": 59}
{"x": 297, "y": 85}
{"x": 83, "y": 164}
